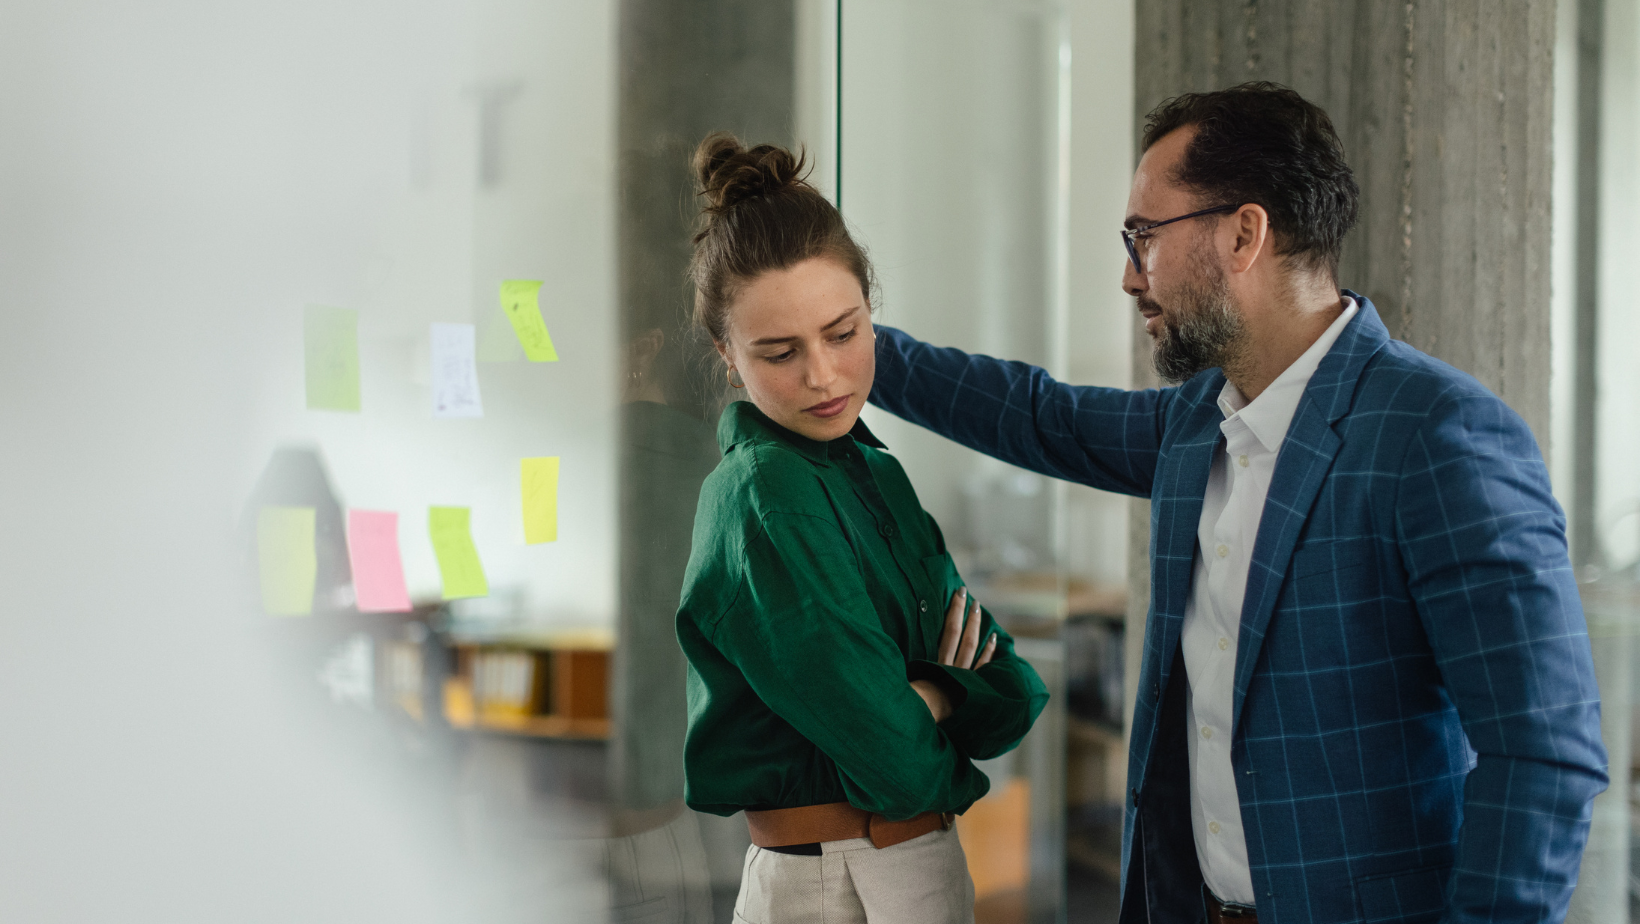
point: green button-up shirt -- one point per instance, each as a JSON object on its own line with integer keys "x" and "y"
{"x": 817, "y": 588}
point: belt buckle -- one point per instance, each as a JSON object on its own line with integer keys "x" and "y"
{"x": 1237, "y": 910}
{"x": 946, "y": 820}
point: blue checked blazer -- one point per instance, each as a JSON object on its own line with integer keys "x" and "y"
{"x": 1417, "y": 732}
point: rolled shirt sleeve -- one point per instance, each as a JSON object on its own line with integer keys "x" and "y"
{"x": 992, "y": 707}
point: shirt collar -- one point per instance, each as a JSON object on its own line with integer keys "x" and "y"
{"x": 1270, "y": 414}
{"x": 742, "y": 422}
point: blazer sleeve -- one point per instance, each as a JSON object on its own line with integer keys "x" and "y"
{"x": 1107, "y": 438}
{"x": 1484, "y": 545}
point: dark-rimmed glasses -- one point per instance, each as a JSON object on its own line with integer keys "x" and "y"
{"x": 1129, "y": 235}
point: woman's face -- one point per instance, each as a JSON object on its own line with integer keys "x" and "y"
{"x": 801, "y": 339}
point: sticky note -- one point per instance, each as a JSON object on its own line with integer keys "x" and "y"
{"x": 540, "y": 481}
{"x": 330, "y": 342}
{"x": 518, "y": 300}
{"x": 458, "y": 563}
{"x": 378, "y": 571}
{"x": 287, "y": 559}
{"x": 455, "y": 372}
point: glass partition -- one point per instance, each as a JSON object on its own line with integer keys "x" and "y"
{"x": 954, "y": 125}
{"x": 413, "y": 424}
{"x": 503, "y": 360}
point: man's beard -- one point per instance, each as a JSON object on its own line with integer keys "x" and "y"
{"x": 1205, "y": 331}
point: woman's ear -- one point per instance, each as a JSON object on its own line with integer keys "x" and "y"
{"x": 723, "y": 351}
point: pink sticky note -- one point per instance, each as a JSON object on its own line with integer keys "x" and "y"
{"x": 373, "y": 550}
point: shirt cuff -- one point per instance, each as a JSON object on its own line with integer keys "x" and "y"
{"x": 948, "y": 679}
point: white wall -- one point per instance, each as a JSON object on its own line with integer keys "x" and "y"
{"x": 815, "y": 118}
{"x": 1617, "y": 492}
{"x": 1102, "y": 316}
{"x": 414, "y": 235}
{"x": 951, "y": 179}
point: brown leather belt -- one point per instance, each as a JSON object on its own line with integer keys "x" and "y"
{"x": 836, "y": 821}
{"x": 1220, "y": 913}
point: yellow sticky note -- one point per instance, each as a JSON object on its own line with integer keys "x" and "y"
{"x": 519, "y": 301}
{"x": 540, "y": 479}
{"x": 330, "y": 340}
{"x": 287, "y": 559}
{"x": 458, "y": 563}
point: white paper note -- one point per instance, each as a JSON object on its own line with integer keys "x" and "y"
{"x": 455, "y": 372}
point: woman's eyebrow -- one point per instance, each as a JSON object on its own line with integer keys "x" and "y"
{"x": 768, "y": 341}
{"x": 841, "y": 318}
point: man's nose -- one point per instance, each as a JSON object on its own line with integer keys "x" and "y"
{"x": 1134, "y": 282}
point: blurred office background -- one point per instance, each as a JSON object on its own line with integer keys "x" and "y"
{"x": 181, "y": 182}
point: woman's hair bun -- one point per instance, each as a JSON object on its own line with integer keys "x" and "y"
{"x": 759, "y": 215}
{"x": 730, "y": 173}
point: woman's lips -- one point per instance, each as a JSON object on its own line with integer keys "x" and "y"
{"x": 829, "y": 409}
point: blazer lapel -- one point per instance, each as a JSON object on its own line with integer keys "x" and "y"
{"x": 1306, "y": 457}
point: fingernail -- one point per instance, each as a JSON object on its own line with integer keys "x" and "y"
{"x": 963, "y": 591}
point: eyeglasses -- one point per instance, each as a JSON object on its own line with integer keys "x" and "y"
{"x": 1130, "y": 235}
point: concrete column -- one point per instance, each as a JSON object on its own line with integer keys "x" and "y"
{"x": 686, "y": 69}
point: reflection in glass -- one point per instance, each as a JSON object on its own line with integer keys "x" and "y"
{"x": 686, "y": 69}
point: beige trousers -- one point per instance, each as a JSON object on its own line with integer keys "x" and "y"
{"x": 921, "y": 881}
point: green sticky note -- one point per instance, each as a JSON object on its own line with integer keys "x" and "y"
{"x": 287, "y": 559}
{"x": 540, "y": 482}
{"x": 519, "y": 301}
{"x": 330, "y": 340}
{"x": 458, "y": 563}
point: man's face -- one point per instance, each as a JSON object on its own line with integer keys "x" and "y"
{"x": 1192, "y": 320}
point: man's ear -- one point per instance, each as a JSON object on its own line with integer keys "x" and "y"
{"x": 1250, "y": 226}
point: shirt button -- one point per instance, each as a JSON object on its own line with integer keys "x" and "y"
{"x": 1207, "y": 731}
{"x": 888, "y": 530}
{"x": 922, "y": 606}
{"x": 1213, "y": 826}
{"x": 1223, "y": 550}
{"x": 1224, "y": 644}
{"x": 1241, "y": 461}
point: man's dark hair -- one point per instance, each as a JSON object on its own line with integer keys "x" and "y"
{"x": 1262, "y": 143}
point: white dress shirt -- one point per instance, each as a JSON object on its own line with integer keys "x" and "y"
{"x": 1231, "y": 510}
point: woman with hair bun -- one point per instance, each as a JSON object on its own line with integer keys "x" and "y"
{"x": 840, "y": 680}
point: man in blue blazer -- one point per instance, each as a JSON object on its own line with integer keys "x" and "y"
{"x": 1367, "y": 691}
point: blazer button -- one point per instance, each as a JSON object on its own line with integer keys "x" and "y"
{"x": 922, "y": 606}
{"x": 887, "y": 530}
